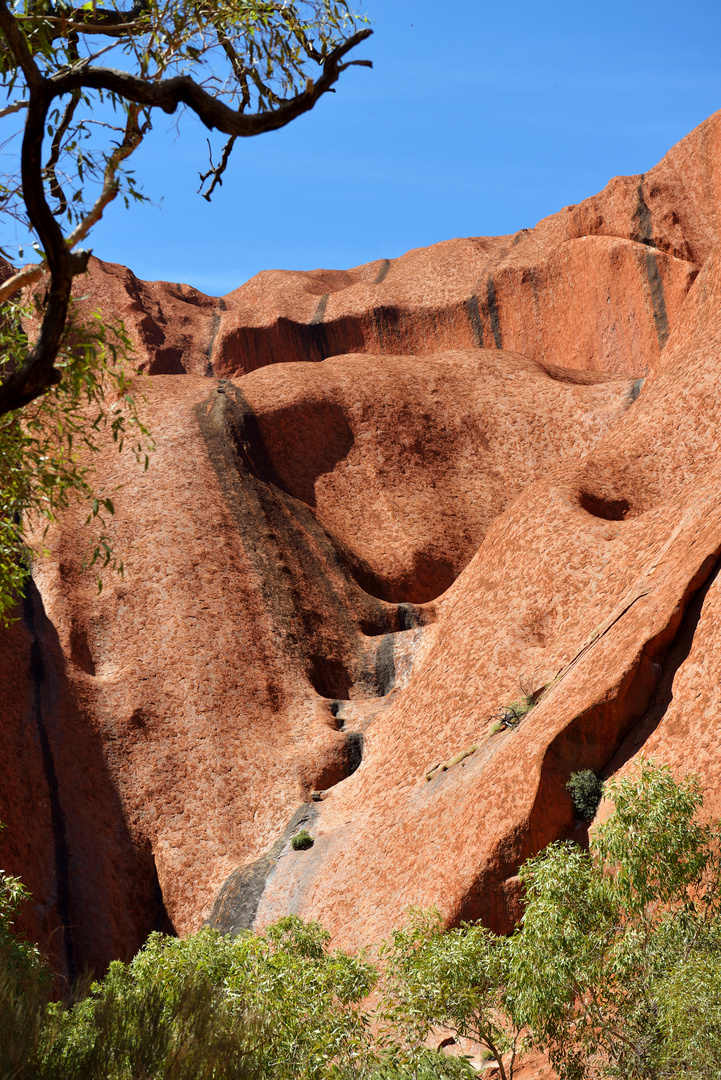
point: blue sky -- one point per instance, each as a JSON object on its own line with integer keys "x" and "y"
{"x": 479, "y": 118}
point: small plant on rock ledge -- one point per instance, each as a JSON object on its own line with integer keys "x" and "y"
{"x": 510, "y": 716}
{"x": 586, "y": 791}
{"x": 302, "y": 841}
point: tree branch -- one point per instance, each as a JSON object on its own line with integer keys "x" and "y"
{"x": 216, "y": 171}
{"x": 15, "y": 107}
{"x": 19, "y": 48}
{"x": 37, "y": 373}
{"x": 132, "y": 138}
{"x": 55, "y": 187}
{"x": 27, "y": 276}
{"x": 168, "y": 94}
{"x": 100, "y": 21}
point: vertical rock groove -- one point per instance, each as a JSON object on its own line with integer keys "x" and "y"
{"x": 31, "y": 601}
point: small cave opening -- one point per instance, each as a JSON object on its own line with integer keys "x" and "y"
{"x": 329, "y": 678}
{"x": 603, "y": 507}
{"x": 426, "y": 579}
{"x": 342, "y": 761}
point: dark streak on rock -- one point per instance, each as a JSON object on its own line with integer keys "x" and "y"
{"x": 636, "y": 389}
{"x": 294, "y": 559}
{"x": 385, "y": 320}
{"x": 320, "y": 310}
{"x": 493, "y": 313}
{"x": 383, "y": 272}
{"x": 214, "y": 328}
{"x": 336, "y": 710}
{"x": 236, "y": 904}
{"x": 354, "y": 744}
{"x": 644, "y": 235}
{"x": 31, "y": 602}
{"x": 408, "y": 617}
{"x": 658, "y": 302}
{"x": 385, "y": 666}
{"x": 474, "y": 318}
{"x": 642, "y": 217}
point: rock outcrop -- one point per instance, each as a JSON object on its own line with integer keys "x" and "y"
{"x": 385, "y": 502}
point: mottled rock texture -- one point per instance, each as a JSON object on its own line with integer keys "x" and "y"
{"x": 385, "y": 502}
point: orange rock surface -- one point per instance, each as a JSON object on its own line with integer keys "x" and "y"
{"x": 385, "y": 502}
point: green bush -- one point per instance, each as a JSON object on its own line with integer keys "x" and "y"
{"x": 615, "y": 971}
{"x": 586, "y": 792}
{"x": 302, "y": 841}
{"x": 617, "y": 942}
{"x": 24, "y": 986}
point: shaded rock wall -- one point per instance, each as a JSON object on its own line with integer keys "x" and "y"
{"x": 504, "y": 474}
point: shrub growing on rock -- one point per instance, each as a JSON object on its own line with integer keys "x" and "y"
{"x": 586, "y": 791}
{"x": 302, "y": 841}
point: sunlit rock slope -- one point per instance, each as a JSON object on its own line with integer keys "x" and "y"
{"x": 385, "y": 502}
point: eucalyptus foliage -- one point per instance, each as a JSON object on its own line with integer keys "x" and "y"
{"x": 278, "y": 1004}
{"x": 24, "y": 985}
{"x": 613, "y": 936}
{"x": 586, "y": 791}
{"x": 615, "y": 971}
{"x": 454, "y": 979}
{"x": 47, "y": 448}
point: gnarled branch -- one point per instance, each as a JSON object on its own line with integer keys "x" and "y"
{"x": 37, "y": 373}
{"x": 168, "y": 94}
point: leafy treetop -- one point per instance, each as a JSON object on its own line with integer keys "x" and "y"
{"x": 243, "y": 67}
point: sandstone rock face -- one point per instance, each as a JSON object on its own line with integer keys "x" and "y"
{"x": 385, "y": 502}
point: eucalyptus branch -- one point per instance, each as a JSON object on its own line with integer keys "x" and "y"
{"x": 155, "y": 51}
{"x": 134, "y": 134}
{"x": 37, "y": 373}
{"x": 216, "y": 171}
{"x": 168, "y": 94}
{"x": 55, "y": 187}
{"x": 27, "y": 276}
{"x": 497, "y": 1055}
{"x": 132, "y": 139}
{"x": 97, "y": 21}
{"x": 19, "y": 48}
{"x": 15, "y": 107}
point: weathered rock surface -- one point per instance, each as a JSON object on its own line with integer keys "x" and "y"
{"x": 504, "y": 474}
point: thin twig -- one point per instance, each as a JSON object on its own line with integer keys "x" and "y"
{"x": 216, "y": 171}
{"x": 34, "y": 272}
{"x": 134, "y": 134}
{"x": 55, "y": 187}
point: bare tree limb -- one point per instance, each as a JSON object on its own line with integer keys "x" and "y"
{"x": 100, "y": 21}
{"x": 35, "y": 271}
{"x": 27, "y": 276}
{"x": 15, "y": 107}
{"x": 134, "y": 134}
{"x": 19, "y": 48}
{"x": 37, "y": 373}
{"x": 216, "y": 171}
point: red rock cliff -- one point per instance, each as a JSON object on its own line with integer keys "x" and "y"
{"x": 385, "y": 502}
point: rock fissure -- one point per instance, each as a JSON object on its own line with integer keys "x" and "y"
{"x": 31, "y": 602}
